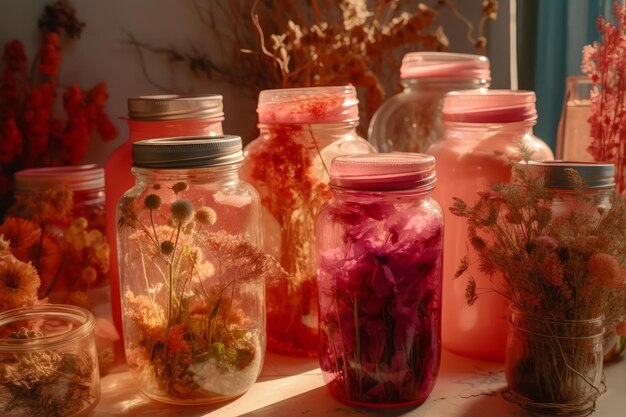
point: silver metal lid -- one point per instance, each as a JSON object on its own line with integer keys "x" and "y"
{"x": 73, "y": 178}
{"x": 595, "y": 175}
{"x": 187, "y": 152}
{"x": 175, "y": 107}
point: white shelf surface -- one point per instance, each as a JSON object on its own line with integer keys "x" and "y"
{"x": 292, "y": 387}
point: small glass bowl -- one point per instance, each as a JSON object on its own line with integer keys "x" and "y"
{"x": 48, "y": 362}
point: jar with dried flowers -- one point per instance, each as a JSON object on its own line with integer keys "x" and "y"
{"x": 410, "y": 121}
{"x": 48, "y": 362}
{"x": 152, "y": 117}
{"x": 379, "y": 252}
{"x": 555, "y": 233}
{"x": 482, "y": 131}
{"x": 57, "y": 224}
{"x": 192, "y": 275}
{"x": 302, "y": 130}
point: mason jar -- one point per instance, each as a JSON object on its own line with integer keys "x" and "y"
{"x": 302, "y": 130}
{"x": 151, "y": 117}
{"x": 379, "y": 257}
{"x": 48, "y": 362}
{"x": 192, "y": 274}
{"x": 411, "y": 120}
{"x": 482, "y": 134}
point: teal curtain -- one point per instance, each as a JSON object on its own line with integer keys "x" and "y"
{"x": 551, "y": 35}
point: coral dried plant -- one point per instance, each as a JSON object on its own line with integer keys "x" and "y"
{"x": 320, "y": 42}
{"x": 30, "y": 133}
{"x": 605, "y": 63}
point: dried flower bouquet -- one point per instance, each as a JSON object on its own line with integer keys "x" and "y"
{"x": 193, "y": 319}
{"x": 557, "y": 265}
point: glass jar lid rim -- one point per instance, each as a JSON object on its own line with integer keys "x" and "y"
{"x": 80, "y": 323}
{"x": 596, "y": 175}
{"x": 445, "y": 65}
{"x": 308, "y": 105}
{"x": 384, "y": 171}
{"x": 187, "y": 152}
{"x": 73, "y": 178}
{"x": 175, "y": 107}
{"x": 489, "y": 106}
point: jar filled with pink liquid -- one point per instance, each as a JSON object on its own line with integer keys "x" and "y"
{"x": 410, "y": 121}
{"x": 379, "y": 257}
{"x": 302, "y": 130}
{"x": 482, "y": 133}
{"x": 152, "y": 117}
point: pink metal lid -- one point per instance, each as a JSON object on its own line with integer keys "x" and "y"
{"x": 444, "y": 65}
{"x": 308, "y": 105}
{"x": 384, "y": 171}
{"x": 489, "y": 106}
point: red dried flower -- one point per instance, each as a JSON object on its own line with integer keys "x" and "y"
{"x": 50, "y": 55}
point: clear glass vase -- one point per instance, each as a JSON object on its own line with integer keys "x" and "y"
{"x": 574, "y": 132}
{"x": 554, "y": 367}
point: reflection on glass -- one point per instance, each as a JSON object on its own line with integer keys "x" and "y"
{"x": 573, "y": 137}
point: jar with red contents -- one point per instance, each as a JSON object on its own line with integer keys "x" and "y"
{"x": 302, "y": 130}
{"x": 152, "y": 117}
{"x": 57, "y": 224}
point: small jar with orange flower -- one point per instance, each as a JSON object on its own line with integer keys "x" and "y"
{"x": 57, "y": 224}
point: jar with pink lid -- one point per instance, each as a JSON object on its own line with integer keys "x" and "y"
{"x": 152, "y": 117}
{"x": 301, "y": 131}
{"x": 482, "y": 133}
{"x": 379, "y": 257}
{"x": 410, "y": 121}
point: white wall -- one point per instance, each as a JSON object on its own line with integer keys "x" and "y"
{"x": 102, "y": 54}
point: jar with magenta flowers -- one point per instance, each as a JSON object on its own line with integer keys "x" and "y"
{"x": 57, "y": 224}
{"x": 379, "y": 257}
{"x": 192, "y": 274}
{"x": 302, "y": 130}
{"x": 151, "y": 117}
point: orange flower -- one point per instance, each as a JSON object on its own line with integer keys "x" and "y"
{"x": 49, "y": 261}
{"x": 18, "y": 283}
{"x": 22, "y": 233}
{"x": 607, "y": 270}
{"x": 176, "y": 342}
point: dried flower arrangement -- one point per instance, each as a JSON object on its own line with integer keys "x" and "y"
{"x": 30, "y": 135}
{"x": 556, "y": 269}
{"x": 320, "y": 42}
{"x": 47, "y": 383}
{"x": 193, "y": 321}
{"x": 605, "y": 63}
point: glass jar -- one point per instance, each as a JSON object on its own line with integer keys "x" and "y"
{"x": 482, "y": 131}
{"x": 554, "y": 367}
{"x": 410, "y": 121}
{"x": 48, "y": 362}
{"x": 57, "y": 223}
{"x": 599, "y": 187}
{"x": 574, "y": 133}
{"x": 192, "y": 276}
{"x": 152, "y": 117}
{"x": 379, "y": 257}
{"x": 302, "y": 130}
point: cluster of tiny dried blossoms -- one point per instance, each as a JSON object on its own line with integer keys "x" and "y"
{"x": 558, "y": 267}
{"x": 48, "y": 382}
{"x": 605, "y": 63}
